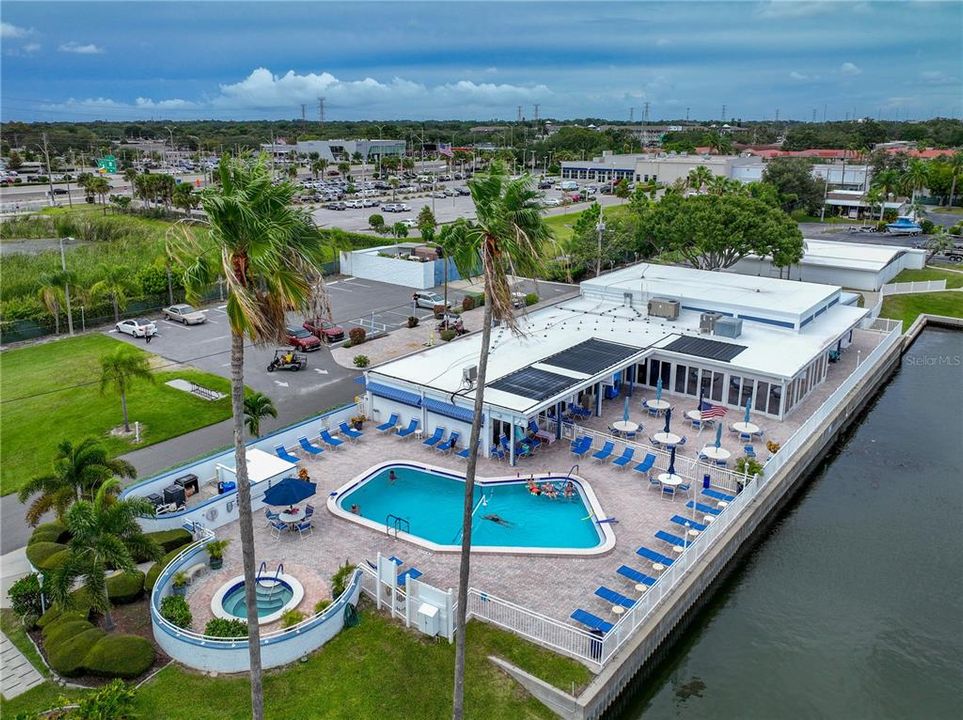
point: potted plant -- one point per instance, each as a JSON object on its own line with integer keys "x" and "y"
{"x": 215, "y": 551}
{"x": 179, "y": 583}
{"x": 358, "y": 422}
{"x": 772, "y": 446}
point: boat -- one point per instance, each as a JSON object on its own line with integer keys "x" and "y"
{"x": 904, "y": 225}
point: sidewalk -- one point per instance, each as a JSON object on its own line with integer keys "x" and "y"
{"x": 17, "y": 675}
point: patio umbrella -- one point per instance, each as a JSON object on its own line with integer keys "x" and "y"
{"x": 625, "y": 408}
{"x": 668, "y": 418}
{"x": 658, "y": 389}
{"x": 289, "y": 491}
{"x": 672, "y": 461}
{"x": 718, "y": 434}
{"x": 748, "y": 408}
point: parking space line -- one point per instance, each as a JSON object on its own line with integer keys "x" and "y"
{"x": 174, "y": 324}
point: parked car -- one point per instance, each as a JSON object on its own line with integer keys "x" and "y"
{"x": 409, "y": 222}
{"x": 369, "y": 202}
{"x": 336, "y": 206}
{"x": 439, "y": 194}
{"x": 138, "y": 327}
{"x": 390, "y": 207}
{"x": 302, "y": 339}
{"x": 428, "y": 299}
{"x": 324, "y": 329}
{"x": 184, "y": 313}
{"x": 551, "y": 202}
{"x": 463, "y": 191}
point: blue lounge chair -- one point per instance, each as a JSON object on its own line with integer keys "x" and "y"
{"x": 271, "y": 516}
{"x": 391, "y": 424}
{"x": 605, "y": 453}
{"x": 581, "y": 446}
{"x": 716, "y": 495}
{"x": 671, "y": 539}
{"x": 679, "y": 520}
{"x": 654, "y": 556}
{"x": 285, "y": 455}
{"x": 616, "y": 598}
{"x": 635, "y": 576}
{"x": 591, "y": 621}
{"x": 410, "y": 430}
{"x": 707, "y": 509}
{"x": 308, "y": 510}
{"x": 349, "y": 432}
{"x": 496, "y": 453}
{"x": 409, "y": 574}
{"x": 646, "y": 465}
{"x": 533, "y": 426}
{"x": 750, "y": 451}
{"x": 624, "y": 459}
{"x": 331, "y": 442}
{"x": 449, "y": 444}
{"x": 434, "y": 439}
{"x": 464, "y": 453}
{"x": 308, "y": 446}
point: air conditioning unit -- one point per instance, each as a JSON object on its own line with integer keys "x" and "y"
{"x": 707, "y": 322}
{"x": 728, "y": 327}
{"x": 469, "y": 374}
{"x": 664, "y": 308}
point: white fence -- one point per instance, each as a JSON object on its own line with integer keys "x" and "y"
{"x": 905, "y": 288}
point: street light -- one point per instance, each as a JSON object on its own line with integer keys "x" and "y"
{"x": 599, "y": 228}
{"x": 171, "y": 132}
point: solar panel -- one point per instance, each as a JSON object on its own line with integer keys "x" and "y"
{"x": 591, "y": 356}
{"x": 701, "y": 347}
{"x": 533, "y": 383}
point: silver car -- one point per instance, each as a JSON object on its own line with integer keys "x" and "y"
{"x": 184, "y": 313}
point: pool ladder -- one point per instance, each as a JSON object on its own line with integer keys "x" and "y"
{"x": 393, "y": 522}
{"x": 263, "y": 580}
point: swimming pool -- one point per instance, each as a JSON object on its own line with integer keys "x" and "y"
{"x": 274, "y": 593}
{"x": 507, "y": 517}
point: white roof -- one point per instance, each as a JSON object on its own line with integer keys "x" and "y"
{"x": 262, "y": 465}
{"x": 857, "y": 256}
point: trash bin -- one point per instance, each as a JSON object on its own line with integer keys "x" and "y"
{"x": 706, "y": 481}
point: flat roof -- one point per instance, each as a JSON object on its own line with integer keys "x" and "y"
{"x": 858, "y": 256}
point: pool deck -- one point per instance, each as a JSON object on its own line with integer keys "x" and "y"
{"x": 551, "y": 585}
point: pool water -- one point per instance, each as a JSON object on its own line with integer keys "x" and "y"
{"x": 432, "y": 503}
{"x": 270, "y": 599}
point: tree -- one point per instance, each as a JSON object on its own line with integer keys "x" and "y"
{"x": 344, "y": 168}
{"x": 427, "y": 224}
{"x": 78, "y": 471}
{"x": 257, "y": 406}
{"x": 621, "y": 189}
{"x": 793, "y": 179}
{"x": 399, "y": 230}
{"x": 888, "y": 182}
{"x": 115, "y": 283}
{"x": 51, "y": 291}
{"x": 719, "y": 143}
{"x": 698, "y": 177}
{"x": 317, "y": 166}
{"x": 939, "y": 243}
{"x": 377, "y": 223}
{"x": 956, "y": 168}
{"x": 130, "y": 175}
{"x": 915, "y": 177}
{"x": 104, "y": 533}
{"x": 119, "y": 370}
{"x": 99, "y": 186}
{"x": 267, "y": 251}
{"x": 121, "y": 202}
{"x": 713, "y": 232}
{"x": 185, "y": 198}
{"x": 508, "y": 238}
{"x": 14, "y": 162}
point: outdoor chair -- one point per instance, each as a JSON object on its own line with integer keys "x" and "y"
{"x": 750, "y": 451}
{"x": 611, "y": 596}
{"x": 271, "y": 516}
{"x": 655, "y": 483}
{"x": 331, "y": 442}
{"x": 464, "y": 453}
{"x": 671, "y": 539}
{"x": 717, "y": 495}
{"x": 686, "y": 522}
{"x": 624, "y": 459}
{"x": 435, "y": 437}
{"x": 307, "y": 446}
{"x": 448, "y": 445}
{"x": 278, "y": 528}
{"x": 654, "y": 556}
{"x": 349, "y": 432}
{"x": 706, "y": 509}
{"x": 605, "y": 453}
{"x": 646, "y": 465}
{"x": 410, "y": 430}
{"x": 409, "y": 574}
{"x": 305, "y": 527}
{"x": 496, "y": 453}
{"x": 285, "y": 455}
{"x": 391, "y": 424}
{"x": 594, "y": 622}
{"x": 308, "y": 511}
{"x": 635, "y": 576}
{"x": 668, "y": 490}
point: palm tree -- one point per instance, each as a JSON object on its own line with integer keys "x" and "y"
{"x": 344, "y": 168}
{"x": 955, "y": 162}
{"x": 267, "y": 251}
{"x": 78, "y": 470}
{"x": 257, "y": 406}
{"x": 322, "y": 165}
{"x": 50, "y": 290}
{"x": 699, "y": 176}
{"x": 104, "y": 532}
{"x": 508, "y": 239}
{"x": 916, "y": 176}
{"x": 115, "y": 283}
{"x": 120, "y": 369}
{"x": 939, "y": 243}
{"x": 99, "y": 186}
{"x": 719, "y": 143}
{"x": 130, "y": 175}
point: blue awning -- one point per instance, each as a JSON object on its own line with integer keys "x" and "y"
{"x": 449, "y": 410}
{"x": 393, "y": 393}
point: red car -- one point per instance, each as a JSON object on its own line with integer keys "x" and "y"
{"x": 324, "y": 329}
{"x": 302, "y": 339}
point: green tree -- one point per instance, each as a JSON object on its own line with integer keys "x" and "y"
{"x": 915, "y": 177}
{"x": 699, "y": 177}
{"x": 115, "y": 283}
{"x": 99, "y": 186}
{"x": 267, "y": 251}
{"x": 719, "y": 144}
{"x": 888, "y": 181}
{"x": 399, "y": 230}
{"x": 344, "y": 168}
{"x": 121, "y": 202}
{"x": 939, "y": 243}
{"x": 104, "y": 533}
{"x": 427, "y": 224}
{"x": 377, "y": 223}
{"x": 78, "y": 471}
{"x": 621, "y": 189}
{"x": 185, "y": 198}
{"x": 508, "y": 238}
{"x": 14, "y": 162}
{"x": 793, "y": 179}
{"x": 257, "y": 406}
{"x": 130, "y": 175}
{"x": 713, "y": 232}
{"x": 51, "y": 289}
{"x": 119, "y": 370}
{"x": 317, "y": 166}
{"x": 956, "y": 169}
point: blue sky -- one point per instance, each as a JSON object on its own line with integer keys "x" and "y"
{"x": 245, "y": 60}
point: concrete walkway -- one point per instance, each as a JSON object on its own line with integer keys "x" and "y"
{"x": 17, "y": 675}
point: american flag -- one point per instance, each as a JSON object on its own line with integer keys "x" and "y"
{"x": 445, "y": 149}
{"x": 710, "y": 411}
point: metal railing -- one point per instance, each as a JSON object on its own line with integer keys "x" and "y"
{"x": 920, "y": 286}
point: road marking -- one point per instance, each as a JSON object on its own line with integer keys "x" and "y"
{"x": 280, "y": 384}
{"x": 221, "y": 307}
{"x": 174, "y": 324}
{"x": 320, "y": 371}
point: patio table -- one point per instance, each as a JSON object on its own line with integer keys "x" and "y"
{"x": 625, "y": 426}
{"x": 660, "y": 405}
{"x": 672, "y": 480}
{"x": 716, "y": 453}
{"x": 694, "y": 415}
{"x": 291, "y": 518}
{"x": 667, "y": 438}
{"x": 747, "y": 428}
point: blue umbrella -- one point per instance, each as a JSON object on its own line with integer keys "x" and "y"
{"x": 668, "y": 417}
{"x": 672, "y": 461}
{"x": 718, "y": 434}
{"x": 748, "y": 408}
{"x": 625, "y": 408}
{"x": 289, "y": 491}
{"x": 658, "y": 389}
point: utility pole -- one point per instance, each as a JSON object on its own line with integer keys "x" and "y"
{"x": 63, "y": 266}
{"x": 814, "y": 114}
{"x": 824, "y": 112}
{"x": 687, "y": 114}
{"x": 303, "y": 109}
{"x": 631, "y": 115}
{"x": 321, "y": 110}
{"x": 536, "y": 112}
{"x": 600, "y": 228}
{"x": 777, "y": 114}
{"x": 645, "y": 114}
{"x": 46, "y": 154}
{"x": 518, "y": 114}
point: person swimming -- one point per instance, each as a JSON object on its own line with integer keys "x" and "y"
{"x": 392, "y": 477}
{"x": 497, "y": 519}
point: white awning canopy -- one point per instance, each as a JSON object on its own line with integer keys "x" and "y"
{"x": 262, "y": 466}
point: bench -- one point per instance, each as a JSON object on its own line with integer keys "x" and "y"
{"x": 204, "y": 392}
{"x": 194, "y": 570}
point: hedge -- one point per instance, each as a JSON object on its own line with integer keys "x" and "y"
{"x": 170, "y": 539}
{"x": 45, "y": 555}
{"x": 157, "y": 567}
{"x": 125, "y": 588}
{"x": 59, "y": 632}
{"x": 80, "y": 610}
{"x": 124, "y": 656}
{"x": 68, "y": 657}
{"x": 54, "y": 532}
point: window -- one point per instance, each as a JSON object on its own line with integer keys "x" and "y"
{"x": 692, "y": 383}
{"x": 775, "y": 395}
{"x": 747, "y": 385}
{"x": 762, "y": 392}
{"x": 666, "y": 373}
{"x": 653, "y": 372}
{"x": 680, "y": 371}
{"x": 717, "y": 386}
{"x": 705, "y": 387}
{"x": 734, "y": 381}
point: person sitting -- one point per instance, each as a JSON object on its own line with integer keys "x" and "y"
{"x": 289, "y": 357}
{"x": 356, "y": 509}
{"x": 569, "y": 489}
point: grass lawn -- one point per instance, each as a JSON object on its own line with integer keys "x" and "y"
{"x": 908, "y": 307}
{"x": 51, "y": 392}
{"x": 375, "y": 670}
{"x": 953, "y": 279}
{"x": 561, "y": 225}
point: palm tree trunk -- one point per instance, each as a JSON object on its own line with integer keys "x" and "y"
{"x": 246, "y": 524}
{"x": 108, "y": 620}
{"x": 458, "y": 705}
{"x": 952, "y": 191}
{"x": 113, "y": 300}
{"x": 123, "y": 407}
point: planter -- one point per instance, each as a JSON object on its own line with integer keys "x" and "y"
{"x": 357, "y": 424}
{"x": 216, "y": 563}
{"x": 180, "y": 589}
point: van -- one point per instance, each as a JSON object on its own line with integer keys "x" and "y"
{"x": 568, "y": 185}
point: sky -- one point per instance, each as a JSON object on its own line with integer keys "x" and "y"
{"x": 132, "y": 60}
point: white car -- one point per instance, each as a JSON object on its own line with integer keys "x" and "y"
{"x": 551, "y": 202}
{"x": 427, "y": 299}
{"x": 184, "y": 313}
{"x": 409, "y": 222}
{"x": 138, "y": 327}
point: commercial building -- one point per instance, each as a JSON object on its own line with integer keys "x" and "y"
{"x": 339, "y": 150}
{"x": 732, "y": 338}
{"x": 662, "y": 168}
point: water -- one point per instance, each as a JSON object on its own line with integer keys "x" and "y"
{"x": 269, "y": 600}
{"x": 433, "y": 504}
{"x": 851, "y": 607}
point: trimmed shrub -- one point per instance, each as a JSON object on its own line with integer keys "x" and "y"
{"x": 412, "y": 321}
{"x": 45, "y": 555}
{"x": 68, "y": 657}
{"x": 290, "y": 618}
{"x": 157, "y": 567}
{"x": 176, "y": 611}
{"x": 530, "y": 299}
{"x": 170, "y": 539}
{"x": 881, "y": 226}
{"x": 321, "y": 605}
{"x": 748, "y": 466}
{"x": 56, "y": 613}
{"x": 477, "y": 299}
{"x": 124, "y": 656}
{"x": 54, "y": 532}
{"x": 125, "y": 588}
{"x": 222, "y": 627}
{"x": 60, "y": 632}
{"x": 447, "y": 334}
{"x": 361, "y": 361}
{"x": 467, "y": 303}
{"x": 25, "y": 596}
{"x": 114, "y": 701}
{"x": 928, "y": 226}
{"x": 339, "y": 581}
{"x": 357, "y": 335}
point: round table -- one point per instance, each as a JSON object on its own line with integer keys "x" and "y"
{"x": 618, "y": 609}
{"x": 672, "y": 480}
{"x": 722, "y": 504}
{"x": 419, "y": 434}
{"x": 678, "y": 548}
{"x": 708, "y": 518}
{"x": 659, "y": 405}
{"x": 694, "y": 533}
{"x": 291, "y": 518}
{"x": 746, "y": 428}
{"x": 694, "y": 415}
{"x": 667, "y": 438}
{"x": 641, "y": 587}
{"x": 716, "y": 453}
{"x": 658, "y": 567}
{"x": 625, "y": 426}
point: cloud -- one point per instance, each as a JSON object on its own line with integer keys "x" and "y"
{"x": 663, "y": 42}
{"x": 937, "y": 78}
{"x": 792, "y": 8}
{"x": 798, "y": 76}
{"x": 850, "y": 69}
{"x": 10, "y": 31}
{"x": 78, "y": 49}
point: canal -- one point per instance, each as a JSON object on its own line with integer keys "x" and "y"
{"x": 851, "y": 606}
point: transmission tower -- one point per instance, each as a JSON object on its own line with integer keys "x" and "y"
{"x": 321, "y": 110}
{"x": 536, "y": 112}
{"x": 645, "y": 113}
{"x": 723, "y": 112}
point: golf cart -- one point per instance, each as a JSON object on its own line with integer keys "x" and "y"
{"x": 287, "y": 359}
